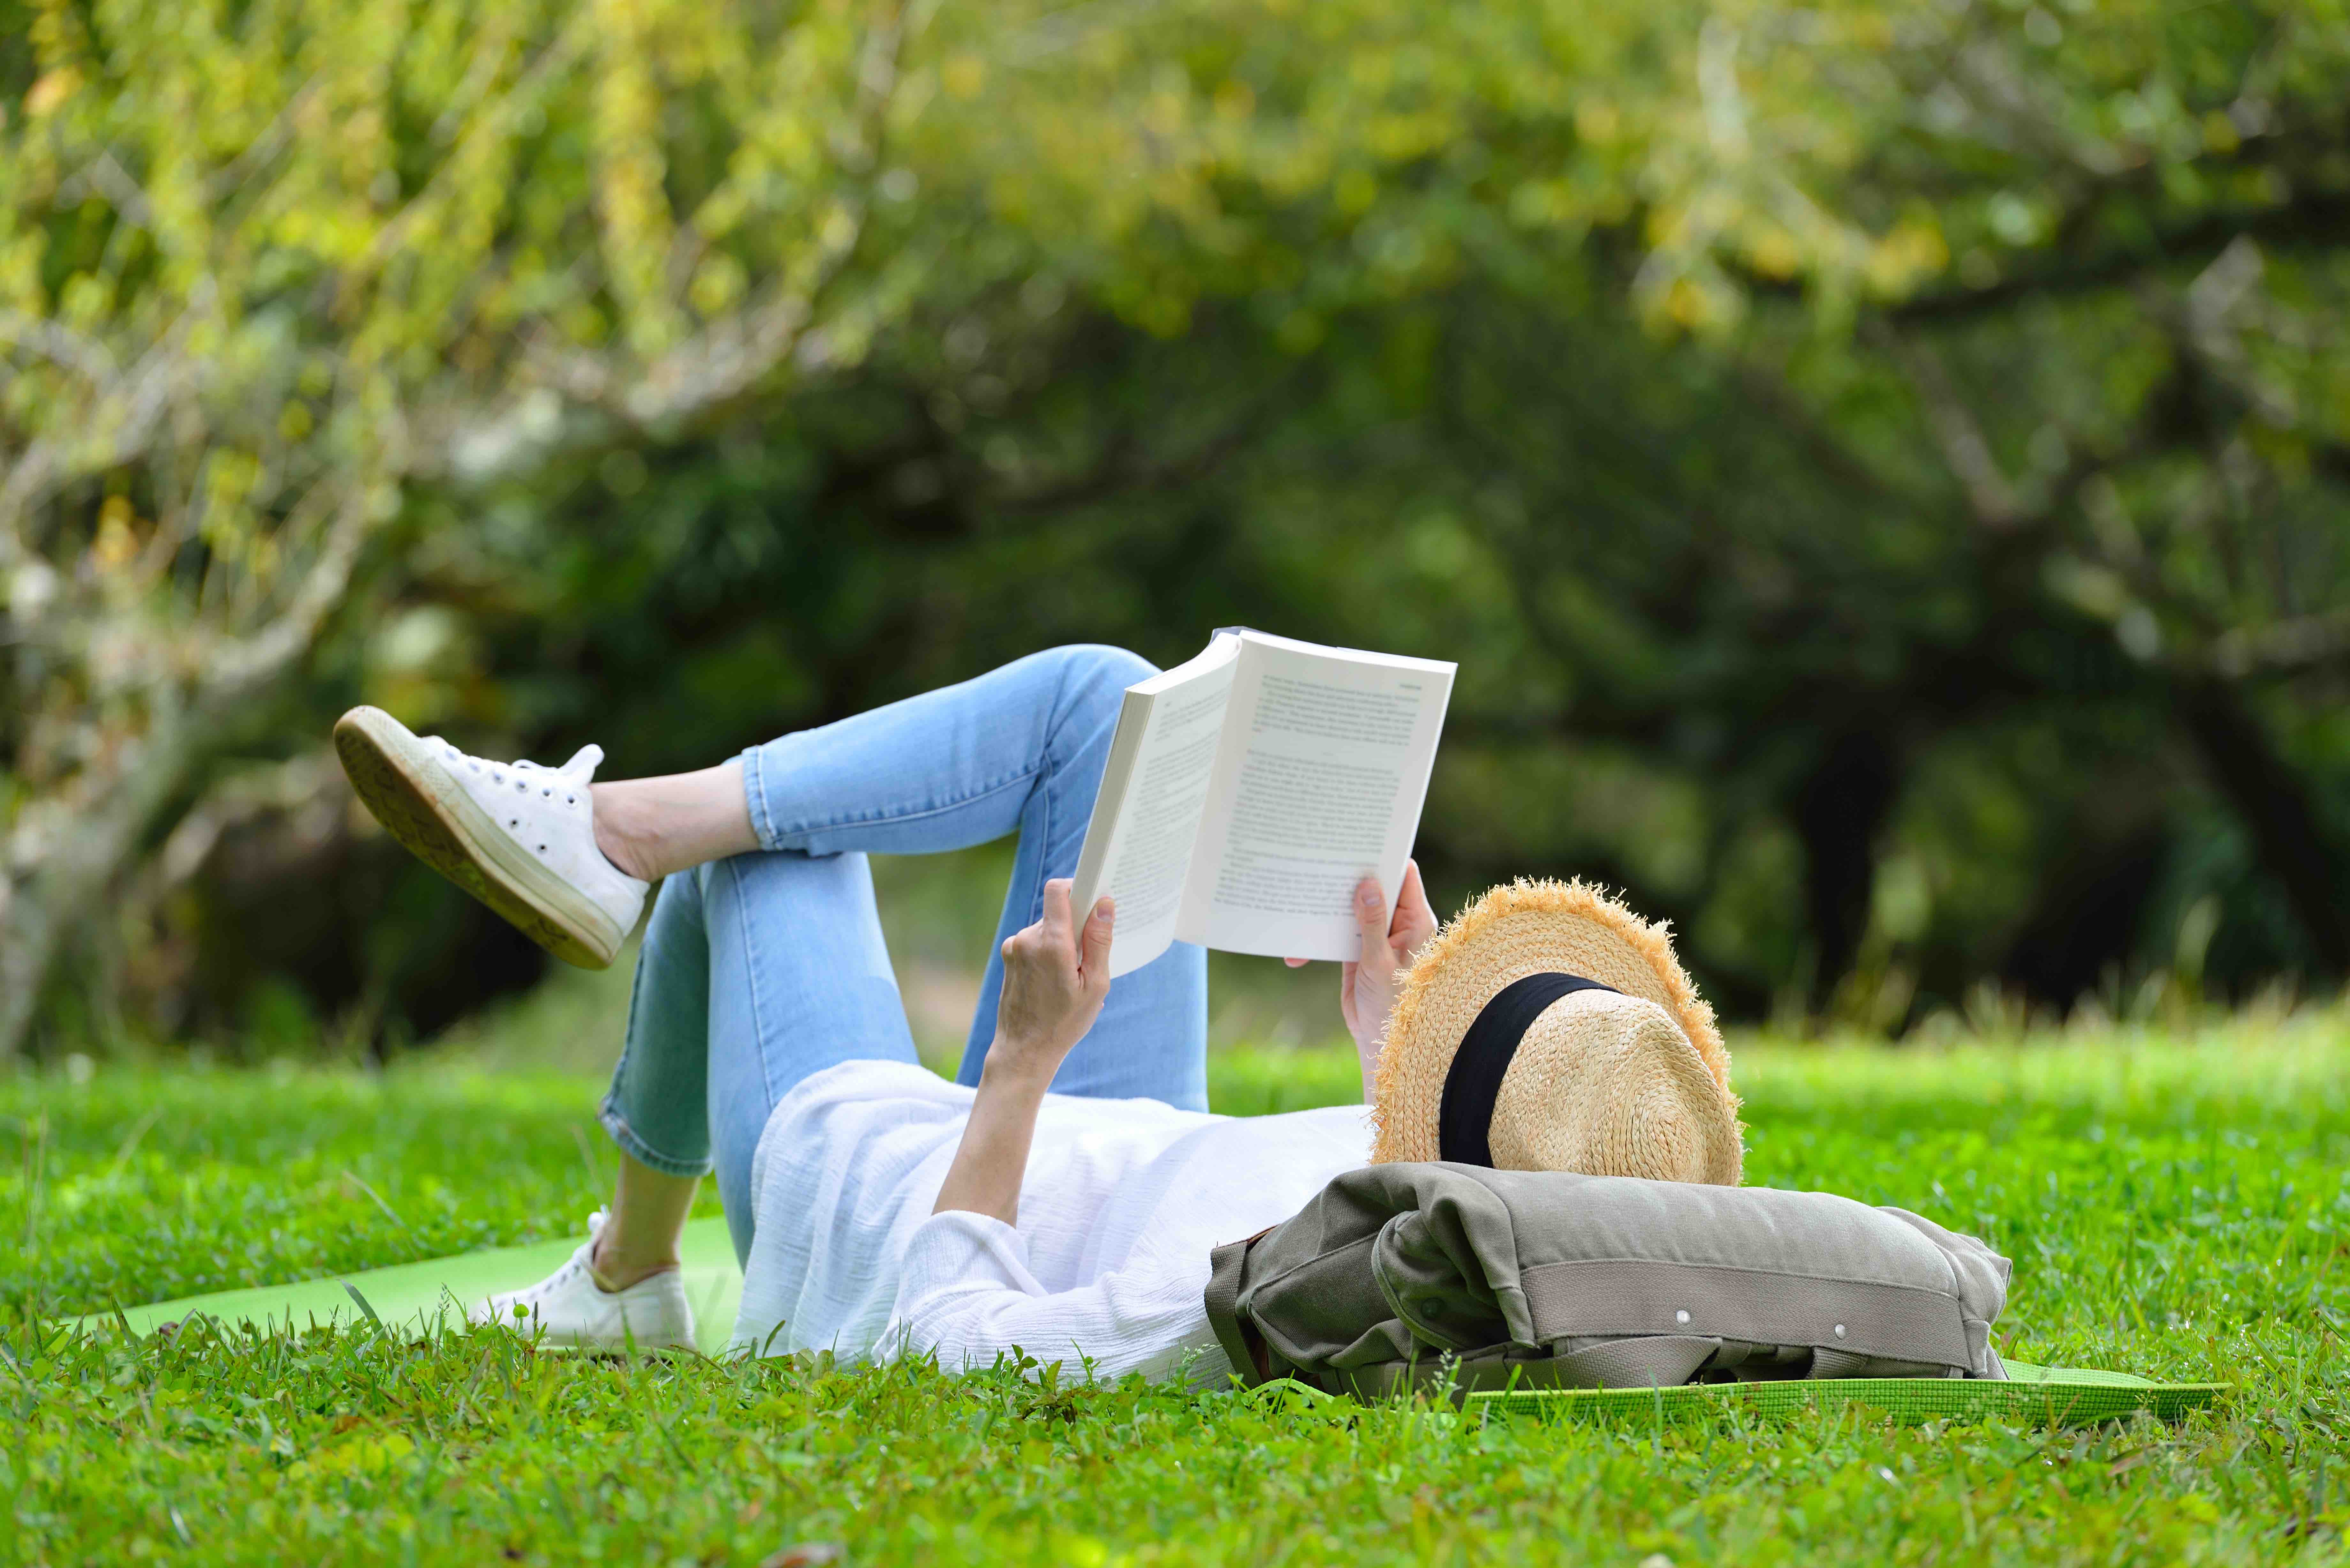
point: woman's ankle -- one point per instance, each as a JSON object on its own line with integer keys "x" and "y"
{"x": 644, "y": 1227}
{"x": 618, "y": 1274}
{"x": 651, "y": 827}
{"x": 620, "y": 847}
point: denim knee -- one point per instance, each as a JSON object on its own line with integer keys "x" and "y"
{"x": 1094, "y": 676}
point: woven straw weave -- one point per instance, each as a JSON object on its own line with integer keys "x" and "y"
{"x": 1636, "y": 1085}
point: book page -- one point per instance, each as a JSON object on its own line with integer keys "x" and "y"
{"x": 1321, "y": 775}
{"x": 1147, "y": 816}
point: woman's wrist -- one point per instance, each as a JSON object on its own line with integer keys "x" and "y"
{"x": 1011, "y": 1068}
{"x": 992, "y": 1159}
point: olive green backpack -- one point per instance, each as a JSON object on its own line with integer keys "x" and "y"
{"x": 1396, "y": 1275}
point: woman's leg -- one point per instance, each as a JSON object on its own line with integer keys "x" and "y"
{"x": 652, "y": 827}
{"x": 731, "y": 1008}
{"x": 1023, "y": 748}
{"x": 757, "y": 971}
{"x": 1152, "y": 1039}
{"x": 643, "y": 1226}
{"x": 656, "y": 1109}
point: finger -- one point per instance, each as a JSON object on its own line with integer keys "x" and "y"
{"x": 1297, "y": 963}
{"x": 1057, "y": 922}
{"x": 1371, "y": 924}
{"x": 1415, "y": 922}
{"x": 1095, "y": 958}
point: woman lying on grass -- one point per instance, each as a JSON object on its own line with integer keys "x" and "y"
{"x": 1063, "y": 1194}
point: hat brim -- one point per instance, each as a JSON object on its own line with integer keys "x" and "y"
{"x": 1528, "y": 927}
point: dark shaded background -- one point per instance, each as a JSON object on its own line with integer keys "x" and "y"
{"x": 1841, "y": 736}
{"x": 1962, "y": 641}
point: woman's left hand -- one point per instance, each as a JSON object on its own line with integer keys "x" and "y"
{"x": 1366, "y": 984}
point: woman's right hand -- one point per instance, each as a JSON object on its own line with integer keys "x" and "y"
{"x": 1055, "y": 978}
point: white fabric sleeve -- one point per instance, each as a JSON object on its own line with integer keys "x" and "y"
{"x": 965, "y": 1294}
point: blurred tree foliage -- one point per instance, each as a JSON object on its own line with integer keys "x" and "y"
{"x": 1881, "y": 468}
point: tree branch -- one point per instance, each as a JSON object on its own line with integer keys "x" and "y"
{"x": 584, "y": 400}
{"x": 61, "y": 346}
{"x": 120, "y": 425}
{"x": 2288, "y": 647}
{"x": 2275, "y": 807}
{"x": 1990, "y": 494}
{"x": 2318, "y": 221}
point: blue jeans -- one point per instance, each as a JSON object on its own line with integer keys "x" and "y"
{"x": 761, "y": 970}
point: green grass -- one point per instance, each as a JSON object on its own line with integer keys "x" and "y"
{"x": 2175, "y": 1209}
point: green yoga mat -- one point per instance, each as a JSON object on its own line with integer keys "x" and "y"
{"x": 2032, "y": 1396}
{"x": 417, "y": 1294}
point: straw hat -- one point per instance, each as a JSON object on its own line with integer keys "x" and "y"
{"x": 1586, "y": 1048}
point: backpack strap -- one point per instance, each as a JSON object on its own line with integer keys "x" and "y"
{"x": 1658, "y": 1361}
{"x": 1243, "y": 1346}
{"x": 1653, "y": 1361}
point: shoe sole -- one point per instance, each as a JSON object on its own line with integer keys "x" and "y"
{"x": 534, "y": 1329}
{"x": 425, "y": 809}
{"x": 567, "y": 1344}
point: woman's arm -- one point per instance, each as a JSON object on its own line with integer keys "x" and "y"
{"x": 1055, "y": 978}
{"x": 965, "y": 1295}
{"x": 1367, "y": 984}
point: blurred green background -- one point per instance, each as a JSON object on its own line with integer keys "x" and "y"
{"x": 1880, "y": 468}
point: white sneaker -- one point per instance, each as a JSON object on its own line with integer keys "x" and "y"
{"x": 569, "y": 1307}
{"x": 518, "y": 837}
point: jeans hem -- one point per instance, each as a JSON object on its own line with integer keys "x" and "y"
{"x": 754, "y": 795}
{"x": 643, "y": 1153}
{"x": 762, "y": 820}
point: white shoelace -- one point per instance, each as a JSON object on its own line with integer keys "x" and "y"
{"x": 574, "y": 1265}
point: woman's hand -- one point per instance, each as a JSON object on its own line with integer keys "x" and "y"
{"x": 1366, "y": 984}
{"x": 1055, "y": 978}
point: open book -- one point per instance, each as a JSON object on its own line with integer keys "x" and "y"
{"x": 1249, "y": 790}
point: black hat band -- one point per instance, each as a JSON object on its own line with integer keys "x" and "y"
{"x": 1465, "y": 1118}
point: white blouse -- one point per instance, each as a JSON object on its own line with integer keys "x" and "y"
{"x": 1122, "y": 1202}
